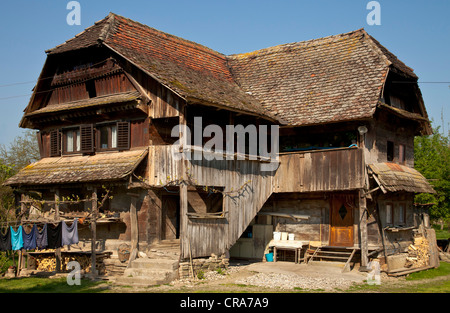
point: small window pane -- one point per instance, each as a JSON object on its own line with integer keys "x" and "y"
{"x": 70, "y": 141}
{"x": 78, "y": 140}
{"x": 401, "y": 217}
{"x": 389, "y": 213}
{"x": 104, "y": 137}
{"x": 114, "y": 136}
{"x": 390, "y": 151}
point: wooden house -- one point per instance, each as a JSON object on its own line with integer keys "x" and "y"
{"x": 107, "y": 100}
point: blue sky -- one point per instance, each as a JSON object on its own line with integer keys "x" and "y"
{"x": 418, "y": 32}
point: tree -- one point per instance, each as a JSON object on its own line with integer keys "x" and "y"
{"x": 432, "y": 160}
{"x": 22, "y": 151}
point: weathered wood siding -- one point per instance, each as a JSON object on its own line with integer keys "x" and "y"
{"x": 328, "y": 170}
{"x": 214, "y": 235}
{"x": 218, "y": 235}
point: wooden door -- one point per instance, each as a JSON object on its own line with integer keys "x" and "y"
{"x": 170, "y": 217}
{"x": 341, "y": 223}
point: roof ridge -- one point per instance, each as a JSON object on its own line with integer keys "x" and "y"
{"x": 274, "y": 49}
{"x": 180, "y": 40}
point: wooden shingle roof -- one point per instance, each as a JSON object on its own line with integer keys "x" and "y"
{"x": 394, "y": 177}
{"x": 331, "y": 79}
{"x": 194, "y": 72}
{"x": 79, "y": 169}
{"x": 336, "y": 78}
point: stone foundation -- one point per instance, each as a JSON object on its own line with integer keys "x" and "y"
{"x": 202, "y": 265}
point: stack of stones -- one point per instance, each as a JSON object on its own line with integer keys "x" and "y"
{"x": 202, "y": 265}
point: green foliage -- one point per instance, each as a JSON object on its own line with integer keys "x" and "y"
{"x": 22, "y": 151}
{"x": 432, "y": 159}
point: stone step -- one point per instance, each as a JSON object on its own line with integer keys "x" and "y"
{"x": 164, "y": 264}
{"x": 140, "y": 281}
{"x": 150, "y": 273}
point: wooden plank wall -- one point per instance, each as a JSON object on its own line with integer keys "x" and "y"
{"x": 329, "y": 170}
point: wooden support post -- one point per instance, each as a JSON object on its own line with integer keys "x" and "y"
{"x": 185, "y": 240}
{"x": 134, "y": 229}
{"x": 363, "y": 228}
{"x": 58, "y": 250}
{"x": 185, "y": 246}
{"x": 94, "y": 233}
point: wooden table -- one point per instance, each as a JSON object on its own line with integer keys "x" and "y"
{"x": 294, "y": 245}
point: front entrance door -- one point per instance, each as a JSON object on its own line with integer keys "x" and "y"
{"x": 170, "y": 217}
{"x": 341, "y": 222}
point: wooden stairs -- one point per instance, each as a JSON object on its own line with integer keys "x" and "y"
{"x": 329, "y": 253}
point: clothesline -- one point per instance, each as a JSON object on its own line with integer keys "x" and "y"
{"x": 38, "y": 222}
{"x": 49, "y": 237}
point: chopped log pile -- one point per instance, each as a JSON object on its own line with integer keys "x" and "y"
{"x": 418, "y": 253}
{"x": 46, "y": 261}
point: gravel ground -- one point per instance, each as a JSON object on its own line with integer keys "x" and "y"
{"x": 282, "y": 276}
{"x": 294, "y": 281}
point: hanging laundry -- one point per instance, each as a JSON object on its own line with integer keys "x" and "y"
{"x": 70, "y": 233}
{"x": 29, "y": 240}
{"x": 16, "y": 238}
{"x": 41, "y": 238}
{"x": 54, "y": 236}
{"x": 5, "y": 240}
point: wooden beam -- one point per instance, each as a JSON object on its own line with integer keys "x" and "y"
{"x": 94, "y": 233}
{"x": 363, "y": 228}
{"x": 58, "y": 250}
{"x": 134, "y": 230}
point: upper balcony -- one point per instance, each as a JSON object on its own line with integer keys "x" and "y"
{"x": 320, "y": 170}
{"x": 311, "y": 171}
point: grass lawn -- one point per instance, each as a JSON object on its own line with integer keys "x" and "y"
{"x": 47, "y": 285}
{"x": 430, "y": 281}
{"x": 435, "y": 280}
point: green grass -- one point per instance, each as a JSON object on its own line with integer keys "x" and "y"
{"x": 442, "y": 270}
{"x": 47, "y": 285}
{"x": 436, "y": 280}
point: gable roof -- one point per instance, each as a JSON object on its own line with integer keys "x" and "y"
{"x": 331, "y": 79}
{"x": 325, "y": 80}
{"x": 194, "y": 72}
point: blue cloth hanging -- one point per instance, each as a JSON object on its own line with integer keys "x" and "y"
{"x": 29, "y": 240}
{"x": 70, "y": 233}
{"x": 16, "y": 238}
{"x": 41, "y": 238}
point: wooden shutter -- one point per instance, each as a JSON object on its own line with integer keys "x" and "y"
{"x": 123, "y": 135}
{"x": 55, "y": 143}
{"x": 87, "y": 138}
{"x": 40, "y": 144}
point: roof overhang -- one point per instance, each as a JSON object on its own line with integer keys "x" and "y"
{"x": 101, "y": 167}
{"x": 392, "y": 177}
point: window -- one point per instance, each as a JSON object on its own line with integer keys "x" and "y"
{"x": 389, "y": 211}
{"x": 72, "y": 140}
{"x": 401, "y": 213}
{"x": 390, "y": 151}
{"x": 401, "y": 154}
{"x": 107, "y": 137}
{"x": 113, "y": 136}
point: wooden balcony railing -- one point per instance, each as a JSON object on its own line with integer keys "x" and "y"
{"x": 320, "y": 170}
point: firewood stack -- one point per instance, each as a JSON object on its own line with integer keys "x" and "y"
{"x": 48, "y": 263}
{"x": 418, "y": 253}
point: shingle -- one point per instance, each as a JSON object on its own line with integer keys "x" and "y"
{"x": 79, "y": 169}
{"x": 331, "y": 79}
